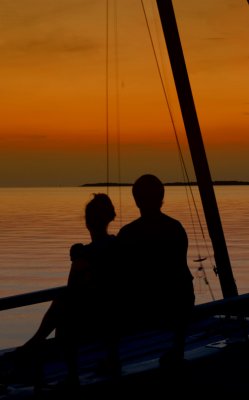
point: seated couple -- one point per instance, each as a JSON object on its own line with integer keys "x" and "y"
{"x": 116, "y": 282}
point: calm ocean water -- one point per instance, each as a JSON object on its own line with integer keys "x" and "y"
{"x": 38, "y": 226}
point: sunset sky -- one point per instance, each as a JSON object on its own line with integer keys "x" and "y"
{"x": 53, "y": 80}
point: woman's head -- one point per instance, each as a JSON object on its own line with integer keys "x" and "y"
{"x": 99, "y": 212}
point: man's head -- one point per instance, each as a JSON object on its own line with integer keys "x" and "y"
{"x": 148, "y": 192}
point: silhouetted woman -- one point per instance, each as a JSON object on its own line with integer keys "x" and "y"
{"x": 86, "y": 308}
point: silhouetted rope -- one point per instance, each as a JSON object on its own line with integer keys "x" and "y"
{"x": 107, "y": 96}
{"x": 117, "y": 107}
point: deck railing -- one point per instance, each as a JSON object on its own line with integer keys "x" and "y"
{"x": 236, "y": 305}
{"x": 30, "y": 298}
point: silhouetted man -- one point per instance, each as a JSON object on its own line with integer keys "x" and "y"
{"x": 157, "y": 285}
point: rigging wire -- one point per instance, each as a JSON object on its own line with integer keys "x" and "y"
{"x": 182, "y": 162}
{"x": 107, "y": 96}
{"x": 200, "y": 259}
{"x": 107, "y": 87}
{"x": 117, "y": 107}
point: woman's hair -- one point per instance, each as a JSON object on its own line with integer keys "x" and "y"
{"x": 99, "y": 212}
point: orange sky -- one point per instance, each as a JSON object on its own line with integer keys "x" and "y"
{"x": 53, "y": 90}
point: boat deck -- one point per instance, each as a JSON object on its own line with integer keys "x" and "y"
{"x": 214, "y": 363}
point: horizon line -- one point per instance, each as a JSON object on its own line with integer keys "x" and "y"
{"x": 110, "y": 184}
{"x": 175, "y": 183}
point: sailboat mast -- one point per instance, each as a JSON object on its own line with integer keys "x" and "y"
{"x": 197, "y": 150}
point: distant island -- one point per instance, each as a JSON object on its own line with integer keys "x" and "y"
{"x": 215, "y": 183}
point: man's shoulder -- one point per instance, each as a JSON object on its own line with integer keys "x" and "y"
{"x": 170, "y": 220}
{"x": 174, "y": 225}
{"x": 130, "y": 227}
{"x": 130, "y": 224}
{"x": 139, "y": 222}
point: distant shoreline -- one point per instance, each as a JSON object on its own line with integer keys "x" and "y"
{"x": 115, "y": 184}
{"x": 215, "y": 183}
